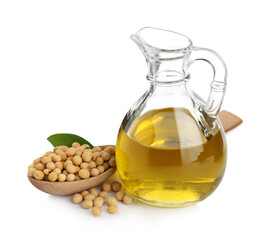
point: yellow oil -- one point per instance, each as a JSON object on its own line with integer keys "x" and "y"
{"x": 164, "y": 159}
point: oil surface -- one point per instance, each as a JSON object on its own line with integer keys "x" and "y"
{"x": 164, "y": 159}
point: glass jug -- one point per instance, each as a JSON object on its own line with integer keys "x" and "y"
{"x": 171, "y": 148}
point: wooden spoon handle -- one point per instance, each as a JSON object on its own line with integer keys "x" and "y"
{"x": 229, "y": 120}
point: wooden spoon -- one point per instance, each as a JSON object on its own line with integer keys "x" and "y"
{"x": 228, "y": 120}
{"x": 67, "y": 188}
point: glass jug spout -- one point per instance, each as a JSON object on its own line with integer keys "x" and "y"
{"x": 166, "y": 52}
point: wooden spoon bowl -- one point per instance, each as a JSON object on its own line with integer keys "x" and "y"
{"x": 67, "y": 188}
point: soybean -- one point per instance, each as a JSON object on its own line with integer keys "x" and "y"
{"x": 87, "y": 204}
{"x": 98, "y": 202}
{"x": 77, "y": 198}
{"x": 96, "y": 211}
{"x": 112, "y": 209}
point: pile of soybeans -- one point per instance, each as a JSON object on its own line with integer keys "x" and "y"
{"x": 73, "y": 163}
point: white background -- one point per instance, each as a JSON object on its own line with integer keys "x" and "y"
{"x": 70, "y": 66}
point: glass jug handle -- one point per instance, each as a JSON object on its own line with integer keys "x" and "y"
{"x": 218, "y": 86}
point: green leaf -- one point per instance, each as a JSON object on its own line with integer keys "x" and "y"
{"x": 67, "y": 139}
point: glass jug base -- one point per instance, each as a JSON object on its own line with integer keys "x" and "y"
{"x": 166, "y": 205}
{"x": 170, "y": 194}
